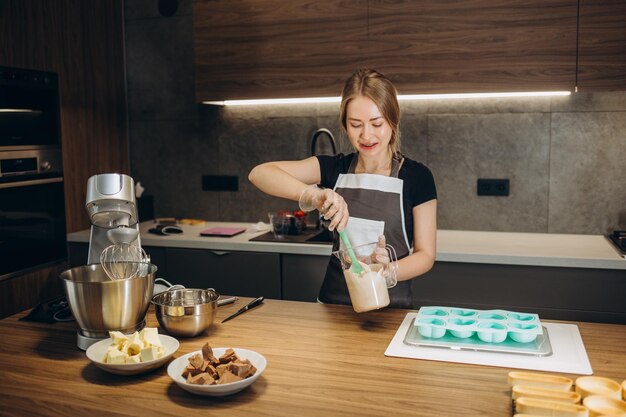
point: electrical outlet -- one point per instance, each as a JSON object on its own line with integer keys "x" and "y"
{"x": 493, "y": 187}
{"x": 220, "y": 183}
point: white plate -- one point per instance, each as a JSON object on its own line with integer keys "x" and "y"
{"x": 96, "y": 353}
{"x": 175, "y": 370}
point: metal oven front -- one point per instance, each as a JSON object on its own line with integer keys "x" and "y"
{"x": 32, "y": 210}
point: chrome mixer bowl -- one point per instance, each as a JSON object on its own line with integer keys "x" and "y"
{"x": 100, "y": 304}
{"x": 186, "y": 312}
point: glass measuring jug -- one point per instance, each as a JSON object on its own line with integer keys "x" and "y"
{"x": 369, "y": 289}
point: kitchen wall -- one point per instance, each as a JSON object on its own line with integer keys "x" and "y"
{"x": 564, "y": 157}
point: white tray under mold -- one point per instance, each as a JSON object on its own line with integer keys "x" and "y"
{"x": 568, "y": 351}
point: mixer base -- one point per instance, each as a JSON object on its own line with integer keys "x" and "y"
{"x": 83, "y": 342}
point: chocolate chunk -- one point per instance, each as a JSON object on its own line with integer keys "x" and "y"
{"x": 211, "y": 370}
{"x": 190, "y": 370}
{"x": 207, "y": 353}
{"x": 242, "y": 370}
{"x": 228, "y": 377}
{"x": 228, "y": 356}
{"x": 252, "y": 368}
{"x": 221, "y": 369}
{"x": 202, "y": 379}
{"x": 196, "y": 361}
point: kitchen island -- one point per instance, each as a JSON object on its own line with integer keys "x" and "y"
{"x": 323, "y": 360}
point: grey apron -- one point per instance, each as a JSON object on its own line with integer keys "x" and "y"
{"x": 376, "y": 208}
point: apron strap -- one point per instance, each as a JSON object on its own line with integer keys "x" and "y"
{"x": 396, "y": 164}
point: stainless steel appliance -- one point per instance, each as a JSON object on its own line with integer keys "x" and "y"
{"x": 32, "y": 210}
{"x": 98, "y": 302}
{"x": 112, "y": 209}
{"x": 32, "y": 206}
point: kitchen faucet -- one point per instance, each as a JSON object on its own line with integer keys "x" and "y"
{"x": 320, "y": 222}
{"x": 319, "y": 132}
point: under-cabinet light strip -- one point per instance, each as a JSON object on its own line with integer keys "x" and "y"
{"x": 16, "y": 111}
{"x": 259, "y": 102}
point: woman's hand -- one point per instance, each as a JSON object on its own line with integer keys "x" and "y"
{"x": 381, "y": 256}
{"x": 335, "y": 209}
{"x": 330, "y": 204}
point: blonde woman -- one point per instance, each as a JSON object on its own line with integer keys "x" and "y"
{"x": 375, "y": 191}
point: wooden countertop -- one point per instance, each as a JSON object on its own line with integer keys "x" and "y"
{"x": 505, "y": 248}
{"x": 323, "y": 360}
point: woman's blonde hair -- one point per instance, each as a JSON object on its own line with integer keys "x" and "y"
{"x": 375, "y": 86}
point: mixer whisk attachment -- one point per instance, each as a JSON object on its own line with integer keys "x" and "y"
{"x": 123, "y": 261}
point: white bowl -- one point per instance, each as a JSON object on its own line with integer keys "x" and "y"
{"x": 96, "y": 353}
{"x": 175, "y": 370}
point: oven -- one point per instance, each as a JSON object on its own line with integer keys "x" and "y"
{"x": 29, "y": 108}
{"x": 32, "y": 210}
{"x": 32, "y": 203}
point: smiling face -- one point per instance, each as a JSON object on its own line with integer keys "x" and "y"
{"x": 368, "y": 131}
{"x": 370, "y": 114}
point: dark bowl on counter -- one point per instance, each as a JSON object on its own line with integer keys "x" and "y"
{"x": 288, "y": 222}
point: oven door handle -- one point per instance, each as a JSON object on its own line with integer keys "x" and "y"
{"x": 30, "y": 182}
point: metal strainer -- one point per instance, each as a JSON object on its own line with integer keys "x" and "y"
{"x": 123, "y": 260}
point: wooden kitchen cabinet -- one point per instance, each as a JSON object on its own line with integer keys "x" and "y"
{"x": 266, "y": 48}
{"x": 23, "y": 291}
{"x": 248, "y": 274}
{"x": 602, "y": 45}
{"x": 303, "y": 48}
{"x": 83, "y": 42}
{"x": 431, "y": 46}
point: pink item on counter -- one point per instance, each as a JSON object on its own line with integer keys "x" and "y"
{"x": 222, "y": 231}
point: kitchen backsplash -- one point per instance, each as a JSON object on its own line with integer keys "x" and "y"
{"x": 564, "y": 156}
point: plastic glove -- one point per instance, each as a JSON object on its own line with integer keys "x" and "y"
{"x": 330, "y": 204}
{"x": 382, "y": 256}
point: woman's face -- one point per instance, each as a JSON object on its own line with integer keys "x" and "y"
{"x": 367, "y": 129}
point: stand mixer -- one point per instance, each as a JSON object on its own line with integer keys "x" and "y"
{"x": 112, "y": 211}
{"x": 102, "y": 301}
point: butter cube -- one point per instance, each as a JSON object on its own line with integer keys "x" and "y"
{"x": 150, "y": 337}
{"x": 150, "y": 353}
{"x": 134, "y": 344}
{"x": 118, "y": 337}
{"x": 133, "y": 359}
{"x": 175, "y": 311}
{"x": 115, "y": 356}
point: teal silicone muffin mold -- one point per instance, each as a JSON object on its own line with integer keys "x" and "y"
{"x": 491, "y": 326}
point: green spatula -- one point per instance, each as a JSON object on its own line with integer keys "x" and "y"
{"x": 356, "y": 265}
